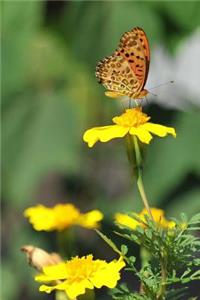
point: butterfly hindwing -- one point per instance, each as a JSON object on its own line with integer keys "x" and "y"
{"x": 115, "y": 73}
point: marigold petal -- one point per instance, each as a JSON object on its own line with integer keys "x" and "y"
{"x": 143, "y": 135}
{"x": 54, "y": 272}
{"x": 157, "y": 213}
{"x": 104, "y": 134}
{"x": 159, "y": 217}
{"x": 72, "y": 289}
{"x": 109, "y": 275}
{"x": 41, "y": 217}
{"x": 158, "y": 129}
{"x": 90, "y": 220}
{"x": 46, "y": 288}
{"x": 78, "y": 288}
{"x": 125, "y": 220}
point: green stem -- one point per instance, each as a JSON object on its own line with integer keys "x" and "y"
{"x": 60, "y": 295}
{"x": 161, "y": 294}
{"x": 140, "y": 184}
{"x": 66, "y": 243}
{"x": 136, "y": 163}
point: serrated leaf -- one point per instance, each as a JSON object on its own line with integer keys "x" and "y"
{"x": 195, "y": 219}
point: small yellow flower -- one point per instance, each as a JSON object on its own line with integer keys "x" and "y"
{"x": 79, "y": 274}
{"x": 60, "y": 217}
{"x": 134, "y": 122}
{"x": 157, "y": 214}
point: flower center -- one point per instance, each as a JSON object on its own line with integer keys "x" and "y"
{"x": 79, "y": 268}
{"x": 131, "y": 118}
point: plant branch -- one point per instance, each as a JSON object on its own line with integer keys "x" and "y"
{"x": 140, "y": 184}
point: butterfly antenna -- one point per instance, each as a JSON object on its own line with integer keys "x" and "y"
{"x": 140, "y": 102}
{"x": 171, "y": 81}
{"x": 153, "y": 94}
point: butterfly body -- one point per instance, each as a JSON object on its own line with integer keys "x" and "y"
{"x": 124, "y": 73}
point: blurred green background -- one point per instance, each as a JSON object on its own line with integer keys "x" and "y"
{"x": 50, "y": 96}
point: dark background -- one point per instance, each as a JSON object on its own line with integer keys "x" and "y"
{"x": 50, "y": 96}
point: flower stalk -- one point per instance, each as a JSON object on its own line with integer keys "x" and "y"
{"x": 162, "y": 290}
{"x": 135, "y": 158}
{"x": 66, "y": 242}
{"x": 60, "y": 295}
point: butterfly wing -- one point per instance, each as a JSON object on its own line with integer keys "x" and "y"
{"x": 125, "y": 72}
{"x": 116, "y": 75}
{"x": 134, "y": 47}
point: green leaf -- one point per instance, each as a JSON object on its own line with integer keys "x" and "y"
{"x": 124, "y": 249}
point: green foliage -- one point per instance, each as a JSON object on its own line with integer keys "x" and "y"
{"x": 169, "y": 256}
{"x": 123, "y": 293}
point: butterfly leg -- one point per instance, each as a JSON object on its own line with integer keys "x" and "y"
{"x": 124, "y": 108}
{"x": 136, "y": 103}
{"x": 147, "y": 102}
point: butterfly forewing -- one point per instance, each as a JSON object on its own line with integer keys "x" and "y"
{"x": 125, "y": 72}
{"x": 134, "y": 48}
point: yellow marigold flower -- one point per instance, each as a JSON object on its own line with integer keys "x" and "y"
{"x": 157, "y": 214}
{"x": 79, "y": 274}
{"x": 134, "y": 122}
{"x": 60, "y": 217}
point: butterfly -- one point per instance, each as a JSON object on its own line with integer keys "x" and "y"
{"x": 125, "y": 72}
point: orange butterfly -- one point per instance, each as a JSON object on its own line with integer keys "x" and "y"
{"x": 125, "y": 71}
